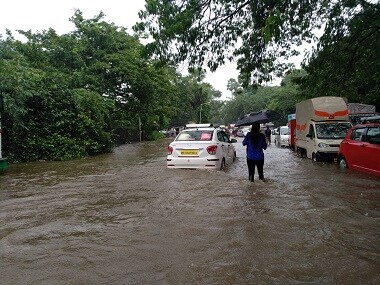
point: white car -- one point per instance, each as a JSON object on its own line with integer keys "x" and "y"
{"x": 242, "y": 132}
{"x": 201, "y": 147}
{"x": 246, "y": 130}
{"x": 281, "y": 136}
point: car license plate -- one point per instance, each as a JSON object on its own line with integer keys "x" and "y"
{"x": 189, "y": 152}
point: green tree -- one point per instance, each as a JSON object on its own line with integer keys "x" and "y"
{"x": 258, "y": 34}
{"x": 255, "y": 32}
{"x": 65, "y": 95}
{"x": 116, "y": 67}
{"x": 278, "y": 98}
{"x": 347, "y": 60}
{"x": 251, "y": 99}
{"x": 18, "y": 82}
{"x": 285, "y": 97}
{"x": 194, "y": 95}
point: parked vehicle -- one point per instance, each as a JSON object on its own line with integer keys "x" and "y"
{"x": 292, "y": 131}
{"x": 372, "y": 119}
{"x": 201, "y": 147}
{"x": 321, "y": 125}
{"x": 281, "y": 137}
{"x": 242, "y": 132}
{"x": 239, "y": 133}
{"x": 358, "y": 112}
{"x": 360, "y": 149}
{"x": 246, "y": 131}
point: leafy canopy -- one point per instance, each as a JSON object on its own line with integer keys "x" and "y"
{"x": 347, "y": 60}
{"x": 258, "y": 34}
{"x": 254, "y": 32}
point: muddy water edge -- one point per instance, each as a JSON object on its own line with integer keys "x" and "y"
{"x": 123, "y": 218}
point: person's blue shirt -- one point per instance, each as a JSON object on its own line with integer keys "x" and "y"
{"x": 255, "y": 152}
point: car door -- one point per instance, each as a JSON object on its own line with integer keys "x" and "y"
{"x": 277, "y": 136}
{"x": 370, "y": 150}
{"x": 230, "y": 147}
{"x": 354, "y": 148}
{"x": 224, "y": 144}
{"x": 311, "y": 144}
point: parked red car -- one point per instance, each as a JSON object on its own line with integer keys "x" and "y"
{"x": 360, "y": 149}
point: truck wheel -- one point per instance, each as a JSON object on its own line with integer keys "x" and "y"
{"x": 342, "y": 163}
{"x": 301, "y": 152}
{"x": 315, "y": 157}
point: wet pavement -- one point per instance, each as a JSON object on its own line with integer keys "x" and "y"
{"x": 123, "y": 218}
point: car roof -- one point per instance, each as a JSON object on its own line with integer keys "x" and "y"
{"x": 366, "y": 125}
{"x": 371, "y": 120}
{"x": 199, "y": 129}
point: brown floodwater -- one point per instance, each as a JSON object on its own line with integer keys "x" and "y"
{"x": 123, "y": 218}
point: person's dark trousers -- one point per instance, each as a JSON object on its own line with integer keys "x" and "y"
{"x": 251, "y": 169}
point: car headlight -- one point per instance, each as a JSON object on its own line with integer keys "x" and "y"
{"x": 323, "y": 145}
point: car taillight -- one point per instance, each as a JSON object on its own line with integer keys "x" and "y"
{"x": 170, "y": 150}
{"x": 212, "y": 149}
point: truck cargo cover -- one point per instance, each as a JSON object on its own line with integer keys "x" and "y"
{"x": 357, "y": 108}
{"x": 322, "y": 109}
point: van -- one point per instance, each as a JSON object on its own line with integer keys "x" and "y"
{"x": 281, "y": 136}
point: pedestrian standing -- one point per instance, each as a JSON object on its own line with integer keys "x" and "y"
{"x": 256, "y": 143}
{"x": 268, "y": 133}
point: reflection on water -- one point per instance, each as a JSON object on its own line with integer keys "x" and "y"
{"x": 123, "y": 218}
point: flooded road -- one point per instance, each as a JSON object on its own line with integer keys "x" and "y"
{"x": 123, "y": 218}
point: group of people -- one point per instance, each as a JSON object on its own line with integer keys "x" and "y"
{"x": 256, "y": 143}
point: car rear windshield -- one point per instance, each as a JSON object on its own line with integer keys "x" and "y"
{"x": 195, "y": 135}
{"x": 284, "y": 131}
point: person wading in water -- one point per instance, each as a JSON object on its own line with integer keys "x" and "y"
{"x": 268, "y": 132}
{"x": 256, "y": 143}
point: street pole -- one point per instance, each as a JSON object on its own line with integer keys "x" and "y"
{"x": 1, "y": 156}
{"x": 140, "y": 132}
{"x": 200, "y": 114}
{"x": 3, "y": 161}
{"x": 1, "y": 109}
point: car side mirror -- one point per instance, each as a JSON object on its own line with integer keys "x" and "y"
{"x": 233, "y": 140}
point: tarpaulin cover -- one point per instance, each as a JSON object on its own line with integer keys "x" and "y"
{"x": 357, "y": 108}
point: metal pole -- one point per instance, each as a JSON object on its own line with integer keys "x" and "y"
{"x": 1, "y": 156}
{"x": 140, "y": 127}
{"x": 200, "y": 114}
{"x": 3, "y": 161}
{"x": 1, "y": 109}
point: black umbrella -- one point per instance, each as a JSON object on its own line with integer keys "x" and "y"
{"x": 262, "y": 117}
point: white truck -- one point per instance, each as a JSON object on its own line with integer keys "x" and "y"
{"x": 321, "y": 124}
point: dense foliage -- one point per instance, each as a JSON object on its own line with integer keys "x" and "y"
{"x": 253, "y": 32}
{"x": 280, "y": 98}
{"x": 260, "y": 35}
{"x": 69, "y": 96}
{"x": 77, "y": 94}
{"x": 347, "y": 59}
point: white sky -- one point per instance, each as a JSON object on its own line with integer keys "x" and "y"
{"x": 39, "y": 15}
